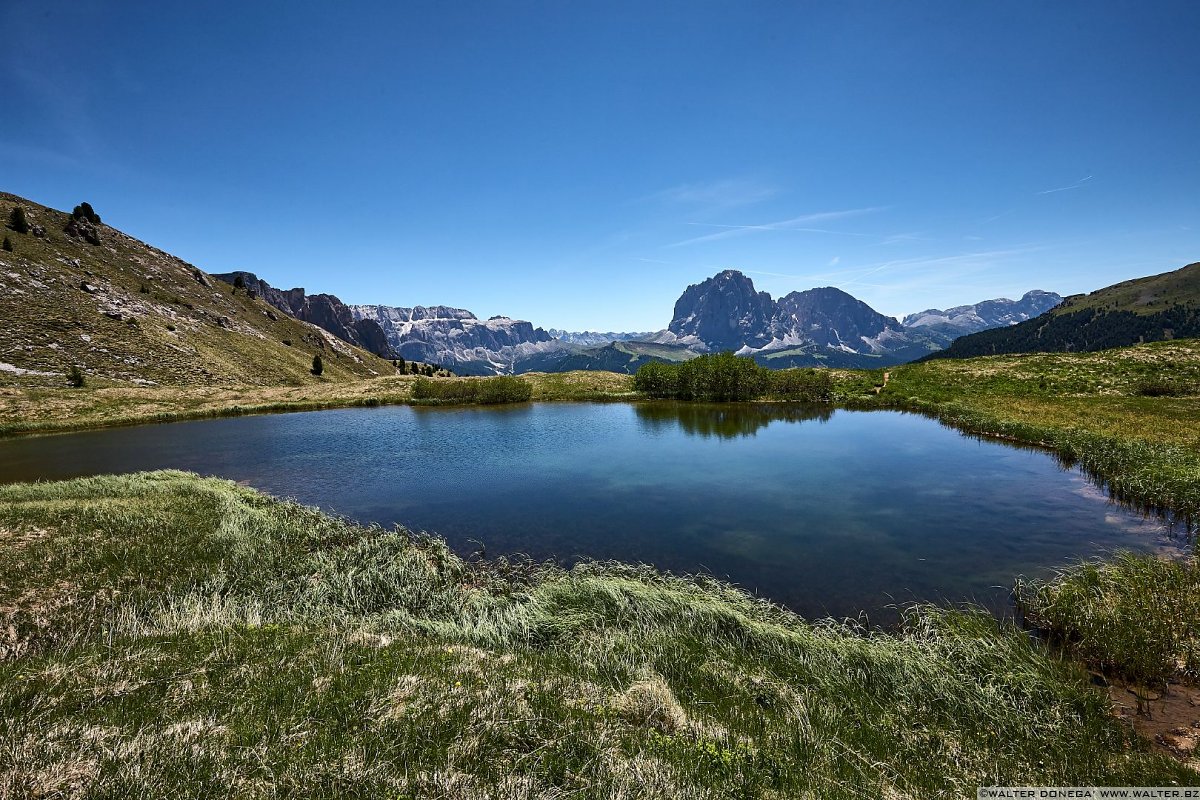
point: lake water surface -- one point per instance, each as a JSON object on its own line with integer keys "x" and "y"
{"x": 825, "y": 512}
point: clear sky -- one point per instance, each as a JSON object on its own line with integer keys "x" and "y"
{"x": 578, "y": 164}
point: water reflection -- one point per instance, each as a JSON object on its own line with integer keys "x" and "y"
{"x": 726, "y": 420}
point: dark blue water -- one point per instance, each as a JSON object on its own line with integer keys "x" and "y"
{"x": 828, "y": 513}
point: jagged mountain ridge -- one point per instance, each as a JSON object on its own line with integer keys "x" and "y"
{"x": 323, "y": 310}
{"x": 822, "y": 326}
{"x": 985, "y": 315}
{"x": 596, "y": 338}
{"x": 457, "y": 339}
{"x": 449, "y": 337}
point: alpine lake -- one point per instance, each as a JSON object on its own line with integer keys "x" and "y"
{"x": 828, "y": 512}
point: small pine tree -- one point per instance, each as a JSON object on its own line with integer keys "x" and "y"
{"x": 18, "y": 221}
{"x": 239, "y": 282}
{"x": 7, "y": 244}
{"x": 400, "y": 364}
{"x": 318, "y": 366}
{"x": 75, "y": 377}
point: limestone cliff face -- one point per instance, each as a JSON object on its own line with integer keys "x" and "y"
{"x": 456, "y": 338}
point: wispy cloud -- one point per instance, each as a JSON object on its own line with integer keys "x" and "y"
{"x": 995, "y": 217}
{"x": 1074, "y": 185}
{"x": 802, "y": 223}
{"x": 896, "y": 238}
{"x": 922, "y": 271}
{"x": 715, "y": 195}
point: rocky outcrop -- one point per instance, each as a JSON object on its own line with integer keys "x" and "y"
{"x": 325, "y": 311}
{"x": 81, "y": 228}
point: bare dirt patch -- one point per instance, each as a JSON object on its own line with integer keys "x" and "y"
{"x": 1171, "y": 720}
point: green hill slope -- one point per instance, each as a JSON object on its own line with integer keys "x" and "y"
{"x": 125, "y": 311}
{"x": 1151, "y": 309}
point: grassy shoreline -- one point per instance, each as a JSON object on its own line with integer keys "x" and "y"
{"x": 31, "y": 410}
{"x": 170, "y": 635}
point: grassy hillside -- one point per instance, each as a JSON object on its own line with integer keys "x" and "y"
{"x": 126, "y": 312}
{"x": 163, "y": 635}
{"x": 1156, "y": 308}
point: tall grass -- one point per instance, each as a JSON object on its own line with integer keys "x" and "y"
{"x": 1135, "y": 617}
{"x": 186, "y": 637}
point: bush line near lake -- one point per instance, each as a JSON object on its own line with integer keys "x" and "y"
{"x": 724, "y": 377}
{"x": 472, "y": 391}
{"x": 169, "y": 635}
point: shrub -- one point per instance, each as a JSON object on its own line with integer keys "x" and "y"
{"x": 800, "y": 385}
{"x": 18, "y": 221}
{"x": 75, "y": 377}
{"x": 7, "y": 244}
{"x": 485, "y": 391}
{"x": 1162, "y": 387}
{"x": 318, "y": 365}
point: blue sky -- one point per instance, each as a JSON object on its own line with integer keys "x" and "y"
{"x": 578, "y": 164}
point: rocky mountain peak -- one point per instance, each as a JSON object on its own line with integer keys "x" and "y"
{"x": 724, "y": 312}
{"x": 832, "y": 317}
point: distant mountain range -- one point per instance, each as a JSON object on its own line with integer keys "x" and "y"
{"x": 457, "y": 339}
{"x": 1150, "y": 309}
{"x": 594, "y": 338}
{"x": 962, "y": 320}
{"x": 823, "y": 326}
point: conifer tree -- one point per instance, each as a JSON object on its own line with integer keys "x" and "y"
{"x": 18, "y": 221}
